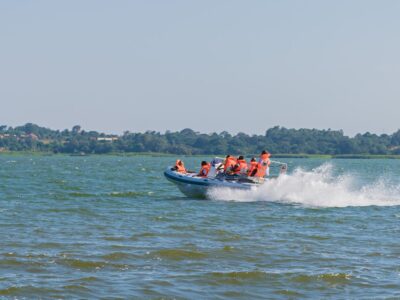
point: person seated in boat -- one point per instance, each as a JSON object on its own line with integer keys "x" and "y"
{"x": 179, "y": 166}
{"x": 205, "y": 168}
{"x": 216, "y": 167}
{"x": 252, "y": 171}
{"x": 240, "y": 167}
{"x": 229, "y": 163}
{"x": 263, "y": 164}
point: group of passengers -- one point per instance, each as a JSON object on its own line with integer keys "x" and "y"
{"x": 233, "y": 166}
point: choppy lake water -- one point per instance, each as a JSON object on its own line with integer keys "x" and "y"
{"x": 112, "y": 227}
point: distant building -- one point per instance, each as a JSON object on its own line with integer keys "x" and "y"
{"x": 107, "y": 139}
{"x": 33, "y": 136}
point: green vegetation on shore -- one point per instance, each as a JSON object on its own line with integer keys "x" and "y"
{"x": 280, "y": 141}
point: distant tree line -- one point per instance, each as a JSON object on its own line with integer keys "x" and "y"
{"x": 31, "y": 137}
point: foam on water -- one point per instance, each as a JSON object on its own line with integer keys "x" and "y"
{"x": 318, "y": 187}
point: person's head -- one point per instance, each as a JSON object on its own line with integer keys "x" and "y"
{"x": 253, "y": 159}
{"x": 228, "y": 156}
{"x": 265, "y": 153}
{"x": 203, "y": 163}
{"x": 241, "y": 157}
{"x": 179, "y": 162}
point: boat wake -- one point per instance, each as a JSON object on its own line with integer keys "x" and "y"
{"x": 317, "y": 188}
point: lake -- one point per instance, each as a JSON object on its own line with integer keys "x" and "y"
{"x": 113, "y": 227}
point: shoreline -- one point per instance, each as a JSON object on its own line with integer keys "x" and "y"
{"x": 278, "y": 155}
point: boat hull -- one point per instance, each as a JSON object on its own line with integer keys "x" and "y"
{"x": 198, "y": 187}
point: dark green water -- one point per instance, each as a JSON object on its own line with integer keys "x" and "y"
{"x": 112, "y": 227}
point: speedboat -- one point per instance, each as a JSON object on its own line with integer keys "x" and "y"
{"x": 192, "y": 185}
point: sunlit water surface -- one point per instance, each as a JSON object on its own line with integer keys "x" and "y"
{"x": 113, "y": 227}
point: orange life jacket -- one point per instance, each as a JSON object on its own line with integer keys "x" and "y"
{"x": 253, "y": 166}
{"x": 204, "y": 170}
{"x": 263, "y": 165}
{"x": 240, "y": 167}
{"x": 180, "y": 167}
{"x": 265, "y": 157}
{"x": 230, "y": 162}
{"x": 261, "y": 170}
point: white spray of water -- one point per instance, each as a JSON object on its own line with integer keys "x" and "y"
{"x": 318, "y": 188}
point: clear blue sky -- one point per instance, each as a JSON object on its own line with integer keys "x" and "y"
{"x": 207, "y": 65}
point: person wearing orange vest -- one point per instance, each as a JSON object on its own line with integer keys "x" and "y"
{"x": 229, "y": 164}
{"x": 205, "y": 168}
{"x": 263, "y": 164}
{"x": 252, "y": 167}
{"x": 241, "y": 166}
{"x": 180, "y": 167}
